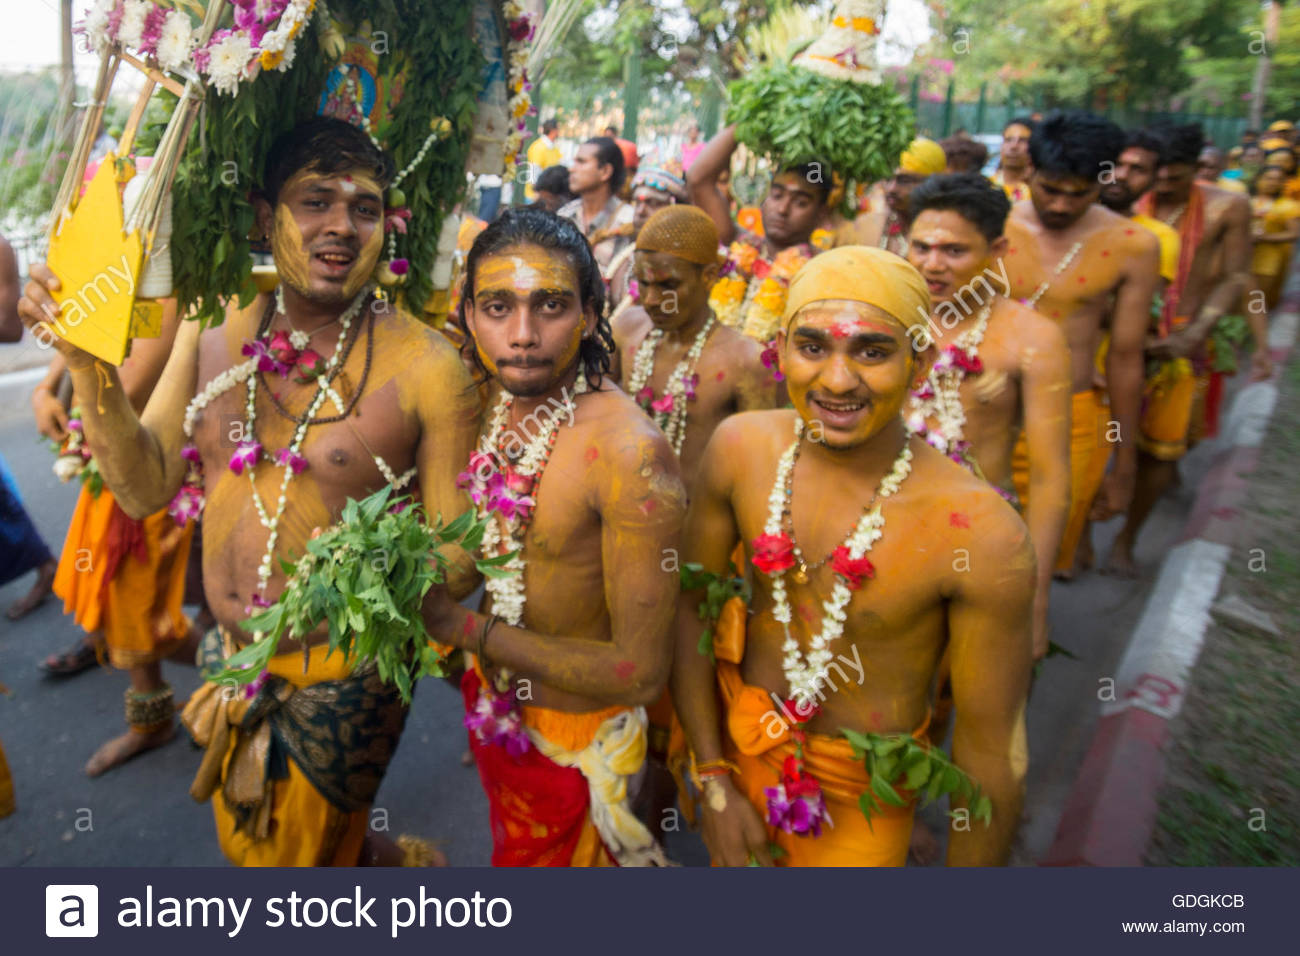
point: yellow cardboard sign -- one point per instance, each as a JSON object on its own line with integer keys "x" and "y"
{"x": 98, "y": 267}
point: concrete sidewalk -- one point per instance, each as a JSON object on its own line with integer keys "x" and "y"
{"x": 1110, "y": 812}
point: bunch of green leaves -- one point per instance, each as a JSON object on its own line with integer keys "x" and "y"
{"x": 367, "y": 577}
{"x": 718, "y": 590}
{"x": 894, "y": 760}
{"x": 224, "y": 160}
{"x": 798, "y": 116}
{"x": 1228, "y": 335}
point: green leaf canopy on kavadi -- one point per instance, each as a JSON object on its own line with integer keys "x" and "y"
{"x": 827, "y": 105}
{"x": 417, "y": 74}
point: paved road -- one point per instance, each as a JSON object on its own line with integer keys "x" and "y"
{"x": 141, "y": 813}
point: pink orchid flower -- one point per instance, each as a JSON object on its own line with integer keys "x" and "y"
{"x": 246, "y": 455}
{"x": 295, "y": 461}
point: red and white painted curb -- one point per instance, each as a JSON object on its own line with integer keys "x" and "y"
{"x": 1111, "y": 810}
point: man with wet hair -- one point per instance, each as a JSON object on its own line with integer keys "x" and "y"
{"x": 572, "y": 644}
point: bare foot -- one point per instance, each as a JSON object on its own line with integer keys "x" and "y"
{"x": 1120, "y": 564}
{"x": 121, "y": 749}
{"x": 924, "y": 846}
{"x": 379, "y": 850}
{"x": 41, "y": 589}
{"x": 467, "y": 758}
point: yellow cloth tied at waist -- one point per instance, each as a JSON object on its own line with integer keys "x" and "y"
{"x": 615, "y": 754}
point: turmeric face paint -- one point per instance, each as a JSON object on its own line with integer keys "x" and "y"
{"x": 318, "y": 214}
{"x": 527, "y": 317}
{"x": 848, "y": 367}
{"x": 291, "y": 259}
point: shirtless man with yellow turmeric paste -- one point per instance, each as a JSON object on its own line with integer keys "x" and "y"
{"x": 1087, "y": 268}
{"x": 686, "y": 369}
{"x": 409, "y": 417}
{"x": 838, "y": 505}
{"x": 585, "y": 491}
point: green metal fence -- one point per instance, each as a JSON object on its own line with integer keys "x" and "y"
{"x": 942, "y": 110}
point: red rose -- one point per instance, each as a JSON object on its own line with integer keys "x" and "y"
{"x": 854, "y": 572}
{"x": 518, "y": 484}
{"x": 797, "y": 783}
{"x": 773, "y": 553}
{"x": 761, "y": 268}
{"x": 311, "y": 365}
{"x": 282, "y": 349}
{"x": 802, "y": 713}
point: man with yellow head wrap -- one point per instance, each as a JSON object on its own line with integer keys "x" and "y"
{"x": 887, "y": 227}
{"x": 845, "y": 629}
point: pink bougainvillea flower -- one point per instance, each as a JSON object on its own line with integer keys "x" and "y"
{"x": 645, "y": 397}
{"x": 399, "y": 267}
{"x": 663, "y": 404}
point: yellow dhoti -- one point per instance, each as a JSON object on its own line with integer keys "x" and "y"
{"x": 752, "y": 742}
{"x": 268, "y": 790}
{"x": 1170, "y": 402}
{"x": 1090, "y": 449}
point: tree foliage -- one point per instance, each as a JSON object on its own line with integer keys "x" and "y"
{"x": 1132, "y": 51}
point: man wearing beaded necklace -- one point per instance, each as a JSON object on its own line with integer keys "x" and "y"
{"x": 687, "y": 371}
{"x": 1087, "y": 268}
{"x": 577, "y": 640}
{"x": 1012, "y": 372}
{"x": 884, "y": 603}
{"x": 294, "y": 788}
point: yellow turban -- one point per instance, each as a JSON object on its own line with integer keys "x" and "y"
{"x": 862, "y": 274}
{"x": 686, "y": 232}
{"x": 1280, "y": 126}
{"x": 924, "y": 157}
{"x": 1274, "y": 143}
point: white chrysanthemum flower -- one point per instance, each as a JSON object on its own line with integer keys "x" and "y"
{"x": 177, "y": 39}
{"x": 229, "y": 60}
{"x": 131, "y": 33}
{"x": 95, "y": 25}
{"x": 290, "y": 49}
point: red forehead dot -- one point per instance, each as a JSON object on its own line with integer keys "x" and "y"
{"x": 1128, "y": 232}
{"x": 958, "y": 520}
{"x": 721, "y": 375}
{"x": 1082, "y": 280}
{"x": 1105, "y": 253}
{"x": 591, "y": 454}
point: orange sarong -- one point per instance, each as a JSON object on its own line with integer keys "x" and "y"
{"x": 305, "y": 828}
{"x": 6, "y": 787}
{"x": 125, "y": 578}
{"x": 751, "y": 717}
{"x": 1090, "y": 450}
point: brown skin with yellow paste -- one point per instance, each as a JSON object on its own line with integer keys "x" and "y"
{"x": 675, "y": 297}
{"x": 609, "y": 508}
{"x": 1025, "y": 382}
{"x": 1109, "y": 284}
{"x": 920, "y": 601}
{"x": 418, "y": 406}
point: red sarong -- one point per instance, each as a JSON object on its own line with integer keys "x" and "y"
{"x": 539, "y": 810}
